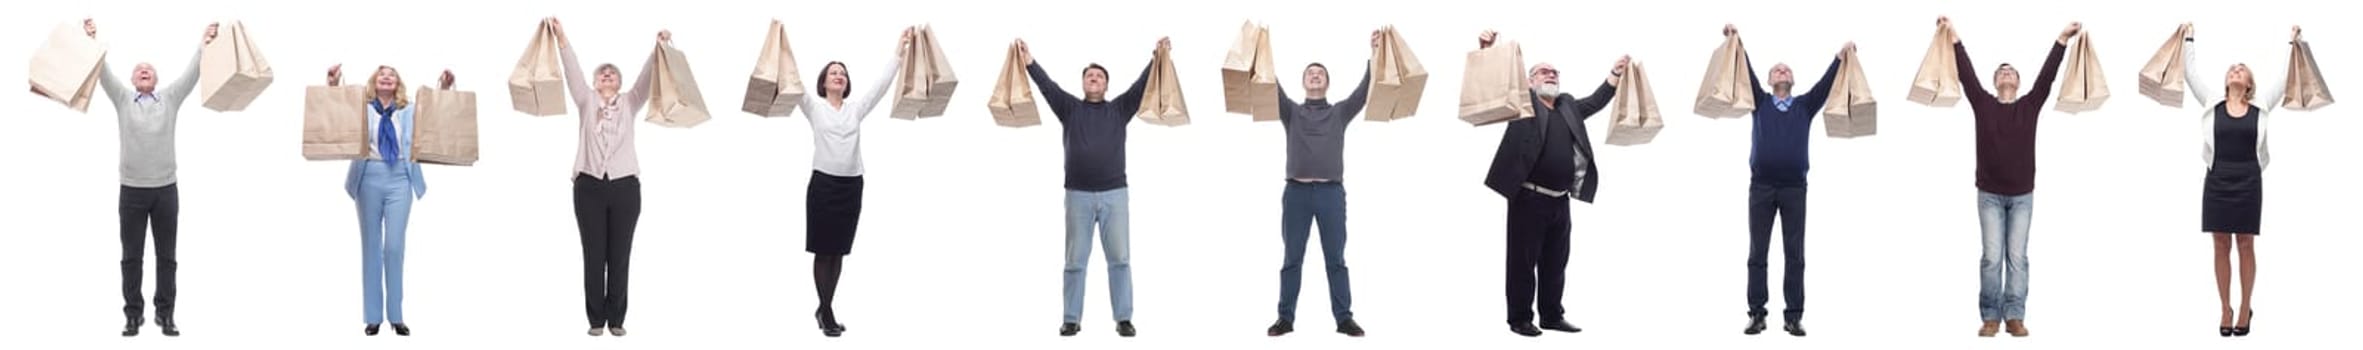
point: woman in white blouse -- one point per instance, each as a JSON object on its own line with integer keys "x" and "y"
{"x": 606, "y": 180}
{"x": 2233, "y": 129}
{"x": 833, "y": 199}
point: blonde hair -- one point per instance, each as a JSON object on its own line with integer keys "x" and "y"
{"x": 401, "y": 97}
{"x": 2249, "y": 94}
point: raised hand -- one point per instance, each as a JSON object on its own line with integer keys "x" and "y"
{"x": 1485, "y": 39}
{"x": 1022, "y": 52}
{"x": 212, "y": 30}
{"x": 1846, "y": 50}
{"x": 90, "y": 28}
{"x": 2073, "y": 28}
{"x": 336, "y": 74}
{"x": 447, "y": 81}
{"x": 1165, "y": 43}
{"x": 1374, "y": 37}
{"x": 1730, "y": 30}
{"x": 1621, "y": 63}
{"x": 664, "y": 36}
{"x": 2294, "y": 31}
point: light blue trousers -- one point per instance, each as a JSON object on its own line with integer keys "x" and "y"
{"x": 385, "y": 220}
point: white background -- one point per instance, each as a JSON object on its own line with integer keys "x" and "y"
{"x": 961, "y": 239}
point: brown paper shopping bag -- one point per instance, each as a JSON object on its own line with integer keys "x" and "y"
{"x": 2162, "y": 78}
{"x": 444, "y": 129}
{"x": 538, "y": 86}
{"x": 673, "y": 99}
{"x": 2084, "y": 87}
{"x": 1726, "y": 91}
{"x": 1250, "y": 86}
{"x": 1013, "y": 96}
{"x": 1635, "y": 118}
{"x": 1493, "y": 86}
{"x": 2305, "y": 90}
{"x": 775, "y": 89}
{"x": 66, "y": 67}
{"x": 926, "y": 81}
{"x": 1161, "y": 97}
{"x": 336, "y": 122}
{"x": 232, "y": 72}
{"x": 1396, "y": 79}
{"x": 1939, "y": 81}
{"x": 1850, "y": 111}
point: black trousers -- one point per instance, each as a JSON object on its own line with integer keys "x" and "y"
{"x": 606, "y": 211}
{"x": 1788, "y": 202}
{"x": 1538, "y": 247}
{"x": 140, "y": 209}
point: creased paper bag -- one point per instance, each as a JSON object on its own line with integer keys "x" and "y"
{"x": 1635, "y": 118}
{"x": 336, "y": 122}
{"x": 1939, "y": 81}
{"x": 1249, "y": 85}
{"x": 1013, "y": 96}
{"x": 774, "y": 90}
{"x": 2084, "y": 87}
{"x": 673, "y": 99}
{"x": 1726, "y": 91}
{"x": 926, "y": 82}
{"x": 1397, "y": 79}
{"x": 1493, "y": 86}
{"x": 232, "y": 70}
{"x": 1161, "y": 101}
{"x": 1851, "y": 112}
{"x": 2162, "y": 78}
{"x": 65, "y": 69}
{"x": 2304, "y": 89}
{"x": 445, "y": 127}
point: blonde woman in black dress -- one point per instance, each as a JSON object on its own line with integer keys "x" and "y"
{"x": 2233, "y": 131}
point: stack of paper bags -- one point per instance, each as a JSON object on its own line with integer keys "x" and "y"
{"x": 1850, "y": 111}
{"x": 775, "y": 89}
{"x": 1161, "y": 97}
{"x": 444, "y": 131}
{"x": 926, "y": 80}
{"x": 232, "y": 71}
{"x": 1939, "y": 81}
{"x": 66, "y": 68}
{"x": 674, "y": 100}
{"x": 1396, "y": 79}
{"x": 538, "y": 86}
{"x": 1634, "y": 119}
{"x": 2084, "y": 87}
{"x": 2304, "y": 89}
{"x": 336, "y": 122}
{"x": 1493, "y": 86}
{"x": 1250, "y": 86}
{"x": 1727, "y": 92}
{"x": 1013, "y": 96}
{"x": 2162, "y": 78}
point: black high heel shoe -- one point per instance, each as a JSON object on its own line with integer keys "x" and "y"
{"x": 2242, "y": 331}
{"x": 2224, "y": 331}
{"x": 372, "y": 330}
{"x": 828, "y": 326}
{"x": 401, "y": 330}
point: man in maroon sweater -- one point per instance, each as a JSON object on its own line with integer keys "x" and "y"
{"x": 2005, "y": 179}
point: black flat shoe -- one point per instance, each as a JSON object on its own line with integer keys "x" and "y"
{"x": 1069, "y": 329}
{"x": 401, "y": 330}
{"x": 1755, "y": 325}
{"x": 1794, "y": 329}
{"x": 131, "y": 327}
{"x": 169, "y": 329}
{"x": 1562, "y": 326}
{"x": 372, "y": 330}
{"x": 1349, "y": 328}
{"x": 1279, "y": 328}
{"x": 1525, "y": 329}
{"x": 1124, "y": 329}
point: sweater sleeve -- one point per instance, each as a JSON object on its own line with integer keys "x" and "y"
{"x": 1355, "y": 101}
{"x": 1815, "y": 97}
{"x": 2041, "y": 92}
{"x": 2207, "y": 95}
{"x": 1589, "y": 105}
{"x": 637, "y": 97}
{"x": 875, "y": 93}
{"x": 1971, "y": 88}
{"x": 584, "y": 96}
{"x": 1060, "y": 101}
{"x": 1129, "y": 102}
{"x": 187, "y": 82}
{"x": 111, "y": 84}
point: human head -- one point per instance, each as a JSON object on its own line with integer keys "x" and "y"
{"x": 1095, "y": 80}
{"x": 2006, "y": 78}
{"x": 143, "y": 78}
{"x": 1782, "y": 77}
{"x": 387, "y": 81}
{"x": 610, "y": 79}
{"x": 1544, "y": 79}
{"x": 2240, "y": 82}
{"x": 1316, "y": 78}
{"x": 834, "y": 81}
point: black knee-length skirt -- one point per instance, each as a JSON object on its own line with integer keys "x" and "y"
{"x": 2234, "y": 199}
{"x": 832, "y": 209}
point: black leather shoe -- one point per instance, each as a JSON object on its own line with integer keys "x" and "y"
{"x": 2224, "y": 331}
{"x": 401, "y": 330}
{"x": 1794, "y": 328}
{"x": 2242, "y": 330}
{"x": 1349, "y": 328}
{"x": 131, "y": 327}
{"x": 1279, "y": 328}
{"x": 828, "y": 324}
{"x": 1562, "y": 326}
{"x": 1069, "y": 329}
{"x": 170, "y": 330}
{"x": 1525, "y": 329}
{"x": 1124, "y": 329}
{"x": 371, "y": 331}
{"x": 1755, "y": 325}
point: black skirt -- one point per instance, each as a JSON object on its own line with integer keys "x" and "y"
{"x": 2234, "y": 200}
{"x": 832, "y": 209}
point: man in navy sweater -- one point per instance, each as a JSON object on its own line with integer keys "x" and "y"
{"x": 1777, "y": 160}
{"x": 1096, "y": 197}
{"x": 1542, "y": 162}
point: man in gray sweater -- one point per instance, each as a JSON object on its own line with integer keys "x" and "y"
{"x": 1316, "y": 163}
{"x": 146, "y": 117}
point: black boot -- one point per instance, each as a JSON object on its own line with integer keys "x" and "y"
{"x": 170, "y": 329}
{"x": 1755, "y": 325}
{"x": 131, "y": 326}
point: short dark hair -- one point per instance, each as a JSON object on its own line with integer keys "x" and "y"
{"x": 1102, "y": 70}
{"x": 822, "y": 86}
{"x": 1317, "y": 64}
{"x": 2005, "y": 66}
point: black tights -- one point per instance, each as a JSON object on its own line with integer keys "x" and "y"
{"x": 825, "y": 270}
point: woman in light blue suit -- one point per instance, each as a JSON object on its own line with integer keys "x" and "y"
{"x": 382, "y": 187}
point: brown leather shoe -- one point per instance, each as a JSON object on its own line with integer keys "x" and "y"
{"x": 1989, "y": 329}
{"x": 2017, "y": 328}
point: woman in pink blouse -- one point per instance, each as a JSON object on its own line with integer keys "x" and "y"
{"x": 606, "y": 180}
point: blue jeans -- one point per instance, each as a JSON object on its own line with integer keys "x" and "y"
{"x": 2004, "y": 220}
{"x": 1300, "y": 205}
{"x": 1108, "y": 211}
{"x": 384, "y": 204}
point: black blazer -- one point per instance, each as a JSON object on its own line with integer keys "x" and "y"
{"x": 1522, "y": 142}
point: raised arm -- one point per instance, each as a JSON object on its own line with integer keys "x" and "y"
{"x": 1287, "y": 107}
{"x": 113, "y": 85}
{"x": 1971, "y": 87}
{"x": 1589, "y": 105}
{"x": 1059, "y": 99}
{"x": 637, "y": 96}
{"x": 584, "y": 96}
{"x": 2193, "y": 80}
{"x": 1820, "y": 93}
{"x": 1762, "y": 97}
{"x": 1354, "y": 101}
{"x": 1130, "y": 100}
{"x": 2042, "y": 89}
{"x": 184, "y": 84}
{"x": 876, "y": 89}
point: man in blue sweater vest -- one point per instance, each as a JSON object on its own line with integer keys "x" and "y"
{"x": 1777, "y": 160}
{"x": 1096, "y": 190}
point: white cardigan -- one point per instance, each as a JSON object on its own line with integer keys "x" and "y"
{"x": 2267, "y": 96}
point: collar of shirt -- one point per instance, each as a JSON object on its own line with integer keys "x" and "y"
{"x": 1319, "y": 102}
{"x": 1782, "y": 103}
{"x": 144, "y": 97}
